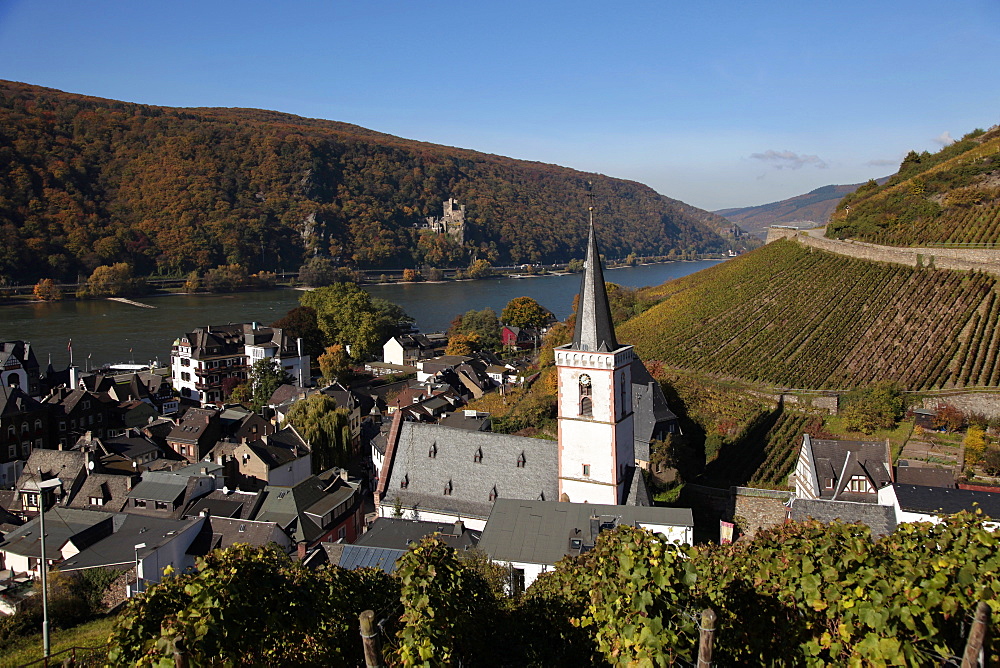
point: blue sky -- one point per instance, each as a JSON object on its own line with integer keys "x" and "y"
{"x": 718, "y": 104}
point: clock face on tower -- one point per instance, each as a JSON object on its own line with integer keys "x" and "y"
{"x": 585, "y": 380}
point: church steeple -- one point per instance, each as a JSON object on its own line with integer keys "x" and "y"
{"x": 594, "y": 331}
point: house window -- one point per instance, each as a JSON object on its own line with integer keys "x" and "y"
{"x": 38, "y": 424}
{"x": 433, "y": 451}
{"x": 161, "y": 505}
{"x": 26, "y": 449}
{"x": 185, "y": 361}
{"x": 586, "y": 402}
{"x": 341, "y": 533}
{"x": 11, "y": 431}
{"x": 24, "y": 427}
{"x": 493, "y": 494}
{"x": 860, "y": 484}
{"x": 405, "y": 482}
{"x": 448, "y": 488}
{"x": 139, "y": 503}
{"x": 96, "y": 501}
{"x": 586, "y": 470}
{"x": 829, "y": 483}
{"x": 521, "y": 461}
{"x": 62, "y": 425}
{"x": 478, "y": 457}
{"x": 185, "y": 376}
{"x": 12, "y": 451}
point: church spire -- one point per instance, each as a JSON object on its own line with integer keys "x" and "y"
{"x": 594, "y": 329}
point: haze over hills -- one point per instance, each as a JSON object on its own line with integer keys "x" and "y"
{"x": 87, "y": 181}
{"x": 809, "y": 210}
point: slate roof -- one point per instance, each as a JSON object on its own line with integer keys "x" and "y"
{"x": 111, "y": 488}
{"x": 651, "y": 414}
{"x": 395, "y": 533}
{"x": 841, "y": 460}
{"x": 921, "y": 499}
{"x": 223, "y": 532}
{"x": 118, "y": 549}
{"x": 295, "y": 509}
{"x": 14, "y": 401}
{"x": 359, "y": 556}
{"x": 540, "y": 532}
{"x": 880, "y": 519}
{"x": 594, "y": 329}
{"x": 472, "y": 483}
{"x": 928, "y": 476}
{"x": 61, "y": 525}
{"x": 224, "y": 503}
{"x": 160, "y": 486}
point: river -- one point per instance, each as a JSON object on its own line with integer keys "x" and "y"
{"x": 106, "y": 332}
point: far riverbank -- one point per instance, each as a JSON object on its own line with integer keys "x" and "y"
{"x": 112, "y": 332}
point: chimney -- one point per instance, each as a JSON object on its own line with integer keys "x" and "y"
{"x": 459, "y": 528}
{"x": 343, "y": 474}
{"x": 300, "y": 550}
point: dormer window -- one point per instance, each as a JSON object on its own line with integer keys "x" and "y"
{"x": 433, "y": 451}
{"x": 405, "y": 482}
{"x": 448, "y": 488}
{"x": 521, "y": 461}
{"x": 478, "y": 457}
{"x": 541, "y": 496}
{"x": 493, "y": 494}
{"x": 586, "y": 401}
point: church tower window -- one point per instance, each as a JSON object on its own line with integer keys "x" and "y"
{"x": 586, "y": 400}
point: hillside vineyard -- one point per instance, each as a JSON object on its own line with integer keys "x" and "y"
{"x": 796, "y": 317}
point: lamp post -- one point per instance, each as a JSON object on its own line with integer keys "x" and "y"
{"x": 137, "y": 548}
{"x": 43, "y": 566}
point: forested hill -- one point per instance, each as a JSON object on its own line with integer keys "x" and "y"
{"x": 86, "y": 181}
{"x": 790, "y": 316}
{"x": 948, "y": 197}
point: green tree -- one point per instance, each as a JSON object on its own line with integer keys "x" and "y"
{"x": 524, "y": 312}
{"x": 479, "y": 269}
{"x": 484, "y": 324}
{"x": 325, "y": 427}
{"x": 301, "y": 323}
{"x": 318, "y": 272}
{"x": 264, "y": 377}
{"x": 350, "y": 316}
{"x": 879, "y": 406}
{"x": 113, "y": 281}
{"x": 335, "y": 365}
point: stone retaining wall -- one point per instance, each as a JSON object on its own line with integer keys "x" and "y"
{"x": 985, "y": 260}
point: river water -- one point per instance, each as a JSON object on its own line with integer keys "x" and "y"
{"x": 107, "y": 332}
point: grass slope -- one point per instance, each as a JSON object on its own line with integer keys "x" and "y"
{"x": 952, "y": 196}
{"x": 793, "y": 317}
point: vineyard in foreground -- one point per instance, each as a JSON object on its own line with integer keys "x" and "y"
{"x": 795, "y": 317}
{"x": 799, "y": 594}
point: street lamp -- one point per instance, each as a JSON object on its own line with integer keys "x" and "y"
{"x": 137, "y": 548}
{"x": 43, "y": 566}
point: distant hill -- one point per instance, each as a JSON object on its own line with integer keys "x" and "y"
{"x": 949, "y": 197}
{"x": 795, "y": 317}
{"x": 86, "y": 181}
{"x": 810, "y": 210}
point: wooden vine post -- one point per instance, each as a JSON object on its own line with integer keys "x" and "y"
{"x": 977, "y": 636}
{"x": 706, "y": 634}
{"x": 369, "y": 638}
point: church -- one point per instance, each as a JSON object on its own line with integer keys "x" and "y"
{"x": 608, "y": 409}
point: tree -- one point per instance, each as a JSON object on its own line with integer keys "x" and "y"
{"x": 193, "y": 282}
{"x": 264, "y": 377}
{"x": 335, "y": 364}
{"x": 948, "y": 417}
{"x": 462, "y": 344}
{"x": 524, "y": 312}
{"x": 318, "y": 272}
{"x": 411, "y": 275}
{"x": 479, "y": 269}
{"x": 975, "y": 445}
{"x": 113, "y": 280}
{"x": 47, "y": 290}
{"x": 300, "y": 323}
{"x": 227, "y": 278}
{"x": 484, "y": 324}
{"x": 879, "y": 406}
{"x": 350, "y": 316}
{"x": 325, "y": 427}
